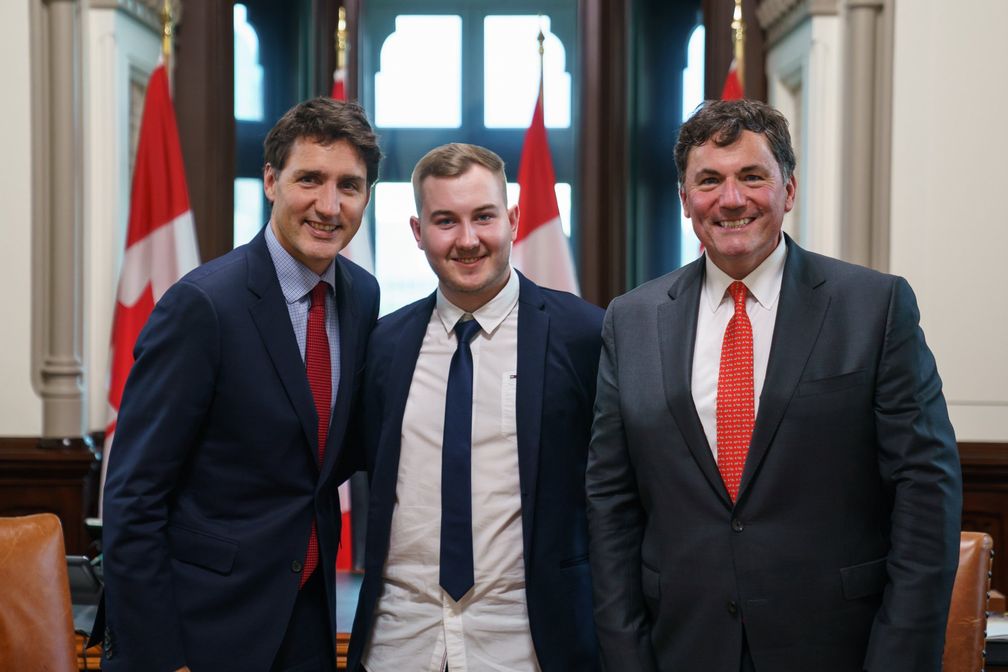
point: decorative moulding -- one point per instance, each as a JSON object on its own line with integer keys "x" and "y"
{"x": 147, "y": 12}
{"x": 779, "y": 17}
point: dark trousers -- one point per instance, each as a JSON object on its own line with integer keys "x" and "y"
{"x": 308, "y": 645}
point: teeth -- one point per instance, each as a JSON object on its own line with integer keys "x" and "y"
{"x": 318, "y": 226}
{"x": 735, "y": 223}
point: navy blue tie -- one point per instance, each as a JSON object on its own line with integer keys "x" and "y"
{"x": 456, "y": 469}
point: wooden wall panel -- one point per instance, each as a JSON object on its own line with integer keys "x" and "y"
{"x": 48, "y": 477}
{"x": 985, "y": 499}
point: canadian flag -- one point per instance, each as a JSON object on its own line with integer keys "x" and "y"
{"x": 358, "y": 250}
{"x": 732, "y": 85}
{"x": 160, "y": 238}
{"x": 541, "y": 250}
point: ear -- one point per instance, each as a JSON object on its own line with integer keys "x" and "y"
{"x": 513, "y": 217}
{"x": 792, "y": 189}
{"x": 414, "y": 223}
{"x": 269, "y": 182}
{"x": 685, "y": 203}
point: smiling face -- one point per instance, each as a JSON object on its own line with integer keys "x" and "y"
{"x": 736, "y": 197}
{"x": 466, "y": 229}
{"x": 318, "y": 200}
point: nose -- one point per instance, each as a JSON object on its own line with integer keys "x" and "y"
{"x": 467, "y": 235}
{"x": 327, "y": 205}
{"x": 731, "y": 195}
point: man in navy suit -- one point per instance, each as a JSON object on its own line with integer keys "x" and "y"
{"x": 221, "y": 518}
{"x": 773, "y": 480}
{"x": 485, "y": 565}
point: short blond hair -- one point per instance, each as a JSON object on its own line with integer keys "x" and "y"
{"x": 454, "y": 160}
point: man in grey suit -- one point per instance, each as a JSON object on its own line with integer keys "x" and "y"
{"x": 773, "y": 482}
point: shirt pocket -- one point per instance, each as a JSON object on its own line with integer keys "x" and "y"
{"x": 509, "y": 390}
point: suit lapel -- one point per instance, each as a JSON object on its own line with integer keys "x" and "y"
{"x": 677, "y": 322}
{"x": 272, "y": 320}
{"x": 349, "y": 333}
{"x": 803, "y": 305}
{"x": 405, "y": 351}
{"x": 533, "y": 337}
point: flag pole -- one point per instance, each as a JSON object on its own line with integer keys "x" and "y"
{"x": 341, "y": 39}
{"x": 738, "y": 38}
{"x": 167, "y": 33}
{"x": 542, "y": 51}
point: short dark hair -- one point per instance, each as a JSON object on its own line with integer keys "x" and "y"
{"x": 723, "y": 122}
{"x": 454, "y": 160}
{"x": 325, "y": 121}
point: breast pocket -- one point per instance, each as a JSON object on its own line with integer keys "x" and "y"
{"x": 833, "y": 383}
{"x": 509, "y": 390}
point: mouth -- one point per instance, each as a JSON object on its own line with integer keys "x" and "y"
{"x": 468, "y": 261}
{"x": 321, "y": 227}
{"x": 735, "y": 224}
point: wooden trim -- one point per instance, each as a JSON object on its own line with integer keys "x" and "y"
{"x": 603, "y": 157}
{"x": 204, "y": 107}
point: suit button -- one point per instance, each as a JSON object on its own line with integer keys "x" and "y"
{"x": 296, "y": 566}
{"x": 732, "y": 608}
{"x": 737, "y": 525}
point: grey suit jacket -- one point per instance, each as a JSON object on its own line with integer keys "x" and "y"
{"x": 841, "y": 549}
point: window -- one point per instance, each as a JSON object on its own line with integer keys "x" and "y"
{"x": 460, "y": 71}
{"x": 692, "y": 96}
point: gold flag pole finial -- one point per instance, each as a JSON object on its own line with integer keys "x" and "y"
{"x": 167, "y": 29}
{"x": 341, "y": 39}
{"x": 738, "y": 38}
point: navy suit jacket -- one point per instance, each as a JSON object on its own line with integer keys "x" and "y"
{"x": 840, "y": 551}
{"x": 558, "y": 351}
{"x": 214, "y": 478}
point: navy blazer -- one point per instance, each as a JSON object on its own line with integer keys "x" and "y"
{"x": 840, "y": 551}
{"x": 214, "y": 479}
{"x": 558, "y": 351}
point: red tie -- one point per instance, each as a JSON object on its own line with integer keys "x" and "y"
{"x": 735, "y": 407}
{"x": 319, "y": 370}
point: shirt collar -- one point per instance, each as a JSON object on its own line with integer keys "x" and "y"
{"x": 764, "y": 282}
{"x": 296, "y": 279}
{"x": 490, "y": 315}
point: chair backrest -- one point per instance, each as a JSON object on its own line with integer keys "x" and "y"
{"x": 966, "y": 633}
{"x": 36, "y": 618}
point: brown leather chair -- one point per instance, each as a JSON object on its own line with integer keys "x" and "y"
{"x": 966, "y": 633}
{"x": 36, "y": 619}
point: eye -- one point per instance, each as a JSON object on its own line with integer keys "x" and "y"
{"x": 708, "y": 181}
{"x": 350, "y": 185}
{"x": 484, "y": 217}
{"x": 308, "y": 179}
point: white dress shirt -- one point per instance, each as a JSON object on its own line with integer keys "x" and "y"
{"x": 417, "y": 625}
{"x": 716, "y": 309}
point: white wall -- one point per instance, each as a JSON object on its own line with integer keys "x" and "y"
{"x": 949, "y": 227}
{"x": 20, "y": 406}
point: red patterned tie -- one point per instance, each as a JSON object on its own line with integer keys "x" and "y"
{"x": 319, "y": 370}
{"x": 735, "y": 406}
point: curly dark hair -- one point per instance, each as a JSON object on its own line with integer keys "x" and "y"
{"x": 723, "y": 122}
{"x": 325, "y": 121}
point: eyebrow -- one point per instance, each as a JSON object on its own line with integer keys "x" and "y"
{"x": 451, "y": 213}
{"x": 751, "y": 168}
